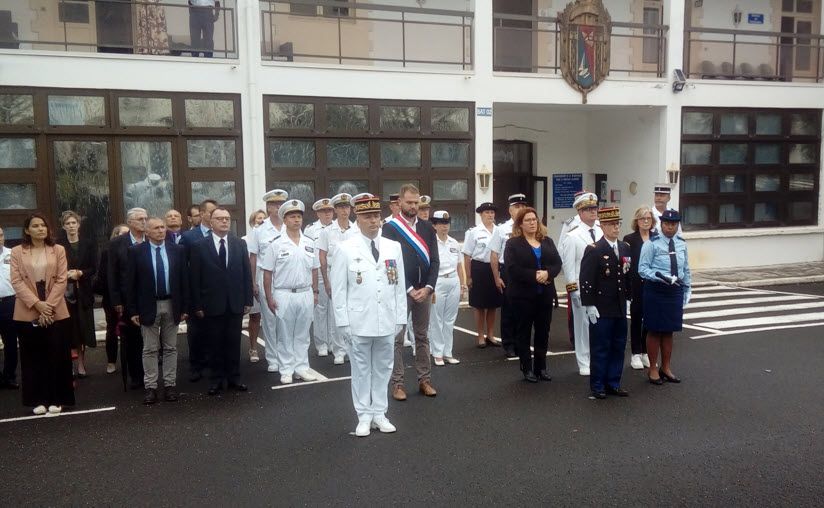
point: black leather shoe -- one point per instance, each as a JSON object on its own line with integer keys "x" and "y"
{"x": 214, "y": 390}
{"x": 150, "y": 396}
{"x": 530, "y": 376}
{"x": 171, "y": 394}
{"x": 510, "y": 354}
{"x": 195, "y": 376}
{"x": 544, "y": 375}
{"x": 620, "y": 392}
{"x": 238, "y": 387}
{"x": 667, "y": 378}
{"x": 490, "y": 342}
{"x": 657, "y": 382}
{"x": 599, "y": 395}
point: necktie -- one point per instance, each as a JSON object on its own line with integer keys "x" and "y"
{"x": 221, "y": 253}
{"x": 673, "y": 260}
{"x": 160, "y": 275}
{"x": 375, "y": 252}
{"x": 592, "y": 233}
{"x": 615, "y": 248}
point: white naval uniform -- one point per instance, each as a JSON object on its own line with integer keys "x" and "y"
{"x": 447, "y": 297}
{"x": 476, "y": 243}
{"x": 322, "y": 320}
{"x": 292, "y": 266}
{"x": 565, "y": 227}
{"x": 255, "y": 303}
{"x": 374, "y": 310}
{"x": 497, "y": 243}
{"x": 577, "y": 240}
{"x": 328, "y": 241}
{"x": 257, "y": 243}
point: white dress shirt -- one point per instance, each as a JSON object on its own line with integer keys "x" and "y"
{"x": 5, "y": 273}
{"x": 450, "y": 256}
{"x": 291, "y": 264}
{"x": 216, "y": 239}
{"x": 476, "y": 243}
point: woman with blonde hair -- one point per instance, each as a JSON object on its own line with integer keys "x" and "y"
{"x": 643, "y": 223}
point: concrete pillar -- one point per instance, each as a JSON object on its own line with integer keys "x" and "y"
{"x": 254, "y": 153}
{"x": 483, "y": 62}
{"x": 671, "y": 115}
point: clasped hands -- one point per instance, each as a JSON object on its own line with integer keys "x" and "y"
{"x": 46, "y": 311}
{"x": 421, "y": 294}
{"x": 542, "y": 277}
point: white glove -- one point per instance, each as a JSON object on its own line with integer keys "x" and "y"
{"x": 673, "y": 279}
{"x": 345, "y": 333}
{"x": 398, "y": 329}
{"x": 592, "y": 314}
{"x": 687, "y": 295}
{"x": 575, "y": 296}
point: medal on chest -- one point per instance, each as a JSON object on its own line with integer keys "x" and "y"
{"x": 358, "y": 278}
{"x": 391, "y": 271}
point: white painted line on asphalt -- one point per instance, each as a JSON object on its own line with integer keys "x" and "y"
{"x": 750, "y": 301}
{"x": 307, "y": 383}
{"x": 705, "y": 289}
{"x": 318, "y": 375}
{"x": 701, "y": 296}
{"x": 67, "y": 413}
{"x": 699, "y": 328}
{"x": 762, "y": 329}
{"x": 549, "y": 353}
{"x": 767, "y": 320}
{"x": 751, "y": 310}
{"x": 474, "y": 334}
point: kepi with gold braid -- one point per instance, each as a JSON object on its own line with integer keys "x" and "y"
{"x": 367, "y": 204}
{"x": 293, "y": 205}
{"x": 323, "y": 204}
{"x": 609, "y": 214}
{"x": 276, "y": 196}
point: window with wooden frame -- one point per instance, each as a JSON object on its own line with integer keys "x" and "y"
{"x": 319, "y": 147}
{"x": 748, "y": 168}
{"x": 101, "y": 152}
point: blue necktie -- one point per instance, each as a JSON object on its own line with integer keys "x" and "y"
{"x": 673, "y": 258}
{"x": 160, "y": 275}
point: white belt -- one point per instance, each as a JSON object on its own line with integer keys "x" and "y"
{"x": 296, "y": 290}
{"x": 448, "y": 275}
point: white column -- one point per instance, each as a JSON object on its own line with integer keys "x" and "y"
{"x": 254, "y": 153}
{"x": 483, "y": 61}
{"x": 671, "y": 115}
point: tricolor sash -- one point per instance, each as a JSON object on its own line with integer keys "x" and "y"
{"x": 411, "y": 237}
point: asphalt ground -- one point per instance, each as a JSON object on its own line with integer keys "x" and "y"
{"x": 744, "y": 428}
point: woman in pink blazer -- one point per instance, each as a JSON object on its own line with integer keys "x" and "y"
{"x": 38, "y": 275}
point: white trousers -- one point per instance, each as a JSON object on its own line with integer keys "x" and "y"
{"x": 443, "y": 314}
{"x": 371, "y": 359}
{"x": 581, "y": 324}
{"x": 323, "y": 322}
{"x": 293, "y": 317}
{"x": 268, "y": 326}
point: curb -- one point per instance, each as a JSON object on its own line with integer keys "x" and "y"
{"x": 807, "y": 279}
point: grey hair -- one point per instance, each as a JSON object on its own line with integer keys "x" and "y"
{"x": 134, "y": 211}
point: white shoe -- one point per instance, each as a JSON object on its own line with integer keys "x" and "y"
{"x": 272, "y": 368}
{"x": 54, "y": 410}
{"x": 253, "y": 356}
{"x": 338, "y": 360}
{"x": 111, "y": 368}
{"x": 285, "y": 379}
{"x": 39, "y": 410}
{"x": 382, "y": 424}
{"x": 439, "y": 362}
{"x": 584, "y": 371}
{"x": 362, "y": 430}
{"x": 636, "y": 363}
{"x": 452, "y": 361}
{"x": 305, "y": 375}
{"x": 645, "y": 360}
{"x": 407, "y": 342}
{"x": 323, "y": 351}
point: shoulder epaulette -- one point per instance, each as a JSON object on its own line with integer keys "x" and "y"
{"x": 275, "y": 238}
{"x": 679, "y": 237}
{"x": 570, "y": 230}
{"x": 569, "y": 221}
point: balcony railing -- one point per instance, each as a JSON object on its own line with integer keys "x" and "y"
{"x": 711, "y": 53}
{"x": 532, "y": 44}
{"x": 120, "y": 26}
{"x": 363, "y": 33}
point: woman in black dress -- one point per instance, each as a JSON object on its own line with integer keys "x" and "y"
{"x": 532, "y": 263}
{"x": 81, "y": 256}
{"x": 484, "y": 297}
{"x": 101, "y": 287}
{"x": 642, "y": 223}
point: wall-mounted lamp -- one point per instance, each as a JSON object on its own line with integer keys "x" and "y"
{"x": 736, "y": 16}
{"x": 679, "y": 81}
{"x": 672, "y": 174}
{"x": 484, "y": 178}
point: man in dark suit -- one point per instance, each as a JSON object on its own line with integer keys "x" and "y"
{"x": 419, "y": 245}
{"x": 221, "y": 284}
{"x": 118, "y": 262}
{"x": 174, "y": 225}
{"x": 604, "y": 283}
{"x": 156, "y": 301}
{"x": 195, "y": 338}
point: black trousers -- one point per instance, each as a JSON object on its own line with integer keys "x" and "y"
{"x": 132, "y": 350}
{"x": 532, "y": 317}
{"x": 111, "y": 333}
{"x": 198, "y": 339}
{"x": 8, "y": 332}
{"x": 45, "y": 364}
{"x": 224, "y": 347}
{"x": 507, "y": 319}
{"x": 638, "y": 332}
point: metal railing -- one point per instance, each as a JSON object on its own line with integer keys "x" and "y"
{"x": 363, "y": 33}
{"x": 713, "y": 53}
{"x": 171, "y": 27}
{"x": 532, "y": 44}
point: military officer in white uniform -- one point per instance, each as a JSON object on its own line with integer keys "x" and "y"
{"x": 662, "y": 193}
{"x": 258, "y": 243}
{"x": 290, "y": 281}
{"x": 451, "y": 285}
{"x": 320, "y": 325}
{"x": 369, "y": 297}
{"x": 339, "y": 230}
{"x": 576, "y": 241}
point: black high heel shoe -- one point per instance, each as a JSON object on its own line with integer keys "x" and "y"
{"x": 668, "y": 378}
{"x": 491, "y": 342}
{"x": 481, "y": 344}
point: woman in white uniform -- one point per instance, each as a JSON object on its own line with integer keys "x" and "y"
{"x": 255, "y": 220}
{"x": 484, "y": 297}
{"x": 448, "y": 292}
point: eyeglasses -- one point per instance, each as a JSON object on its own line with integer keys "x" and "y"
{"x": 645, "y": 219}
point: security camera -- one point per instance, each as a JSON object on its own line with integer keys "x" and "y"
{"x": 679, "y": 81}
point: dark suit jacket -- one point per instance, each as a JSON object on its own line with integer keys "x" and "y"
{"x": 179, "y": 237}
{"x": 216, "y": 289}
{"x": 85, "y": 260}
{"x": 140, "y": 282}
{"x": 191, "y": 237}
{"x": 635, "y": 243}
{"x": 521, "y": 267}
{"x": 101, "y": 280}
{"x": 603, "y": 281}
{"x": 117, "y": 269}
{"x": 415, "y": 271}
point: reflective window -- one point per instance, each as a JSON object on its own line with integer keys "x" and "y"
{"x": 17, "y": 153}
{"x": 696, "y": 214}
{"x": 291, "y": 115}
{"x": 210, "y": 113}
{"x": 347, "y": 154}
{"x": 767, "y": 183}
{"x": 449, "y": 190}
{"x": 696, "y": 123}
{"x": 82, "y": 182}
{"x": 347, "y": 117}
{"x": 18, "y": 196}
{"x": 802, "y": 182}
{"x": 731, "y": 183}
{"x": 147, "y": 176}
{"x": 292, "y": 154}
{"x": 692, "y": 184}
{"x": 734, "y": 124}
{"x": 696, "y": 153}
{"x": 802, "y": 211}
{"x": 765, "y": 212}
{"x": 730, "y": 213}
{"x": 222, "y": 192}
{"x": 350, "y": 187}
{"x": 450, "y": 119}
{"x": 802, "y": 154}
{"x": 392, "y": 186}
{"x": 145, "y": 111}
{"x": 450, "y": 155}
{"x": 76, "y": 110}
{"x": 767, "y": 154}
{"x": 768, "y": 124}
{"x": 303, "y": 190}
{"x": 401, "y": 154}
{"x": 400, "y": 118}
{"x": 733, "y": 154}
{"x": 211, "y": 153}
{"x": 804, "y": 124}
{"x": 16, "y": 109}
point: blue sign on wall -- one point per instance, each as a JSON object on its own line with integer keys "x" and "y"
{"x": 564, "y": 187}
{"x": 481, "y": 111}
{"x": 755, "y": 19}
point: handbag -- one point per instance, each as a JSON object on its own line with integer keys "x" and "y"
{"x": 72, "y": 292}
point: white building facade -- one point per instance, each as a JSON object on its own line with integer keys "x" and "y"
{"x": 320, "y": 96}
